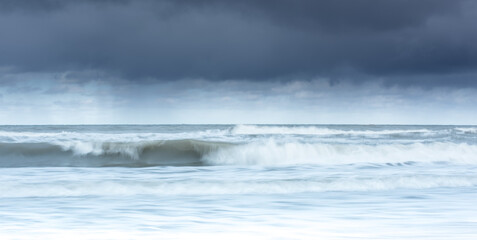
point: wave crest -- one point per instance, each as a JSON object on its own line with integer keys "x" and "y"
{"x": 194, "y": 152}
{"x": 106, "y": 154}
{"x": 272, "y": 153}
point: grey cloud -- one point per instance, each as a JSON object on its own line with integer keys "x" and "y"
{"x": 339, "y": 15}
{"x": 39, "y": 6}
{"x": 395, "y": 41}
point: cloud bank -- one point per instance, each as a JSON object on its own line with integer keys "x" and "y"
{"x": 211, "y": 61}
{"x": 255, "y": 40}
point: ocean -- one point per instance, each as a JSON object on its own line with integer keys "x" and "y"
{"x": 238, "y": 182}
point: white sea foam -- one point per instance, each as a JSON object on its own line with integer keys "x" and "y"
{"x": 55, "y": 137}
{"x": 313, "y": 130}
{"x": 272, "y": 153}
{"x": 197, "y": 187}
{"x": 238, "y": 133}
{"x": 81, "y": 148}
{"x": 467, "y": 130}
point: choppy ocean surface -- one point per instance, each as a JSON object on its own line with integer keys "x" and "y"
{"x": 238, "y": 181}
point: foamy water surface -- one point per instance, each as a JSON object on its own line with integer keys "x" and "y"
{"x": 238, "y": 181}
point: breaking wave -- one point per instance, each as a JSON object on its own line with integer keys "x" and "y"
{"x": 196, "y": 153}
{"x": 468, "y": 130}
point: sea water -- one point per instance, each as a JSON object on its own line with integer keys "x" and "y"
{"x": 238, "y": 181}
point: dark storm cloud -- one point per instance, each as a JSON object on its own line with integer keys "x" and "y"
{"x": 396, "y": 41}
{"x": 340, "y": 15}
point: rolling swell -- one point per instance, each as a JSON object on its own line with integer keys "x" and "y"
{"x": 106, "y": 154}
{"x": 200, "y": 153}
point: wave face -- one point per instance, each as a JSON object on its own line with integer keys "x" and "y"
{"x": 72, "y": 146}
{"x": 106, "y": 154}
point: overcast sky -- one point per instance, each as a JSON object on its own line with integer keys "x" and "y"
{"x": 228, "y": 61}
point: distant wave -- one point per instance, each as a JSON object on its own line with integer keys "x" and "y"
{"x": 313, "y": 130}
{"x": 471, "y": 130}
{"x": 53, "y": 137}
{"x": 234, "y": 133}
{"x": 195, "y": 152}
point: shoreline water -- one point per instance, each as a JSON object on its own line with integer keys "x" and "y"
{"x": 253, "y": 181}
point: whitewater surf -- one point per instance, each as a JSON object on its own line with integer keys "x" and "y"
{"x": 307, "y": 179}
